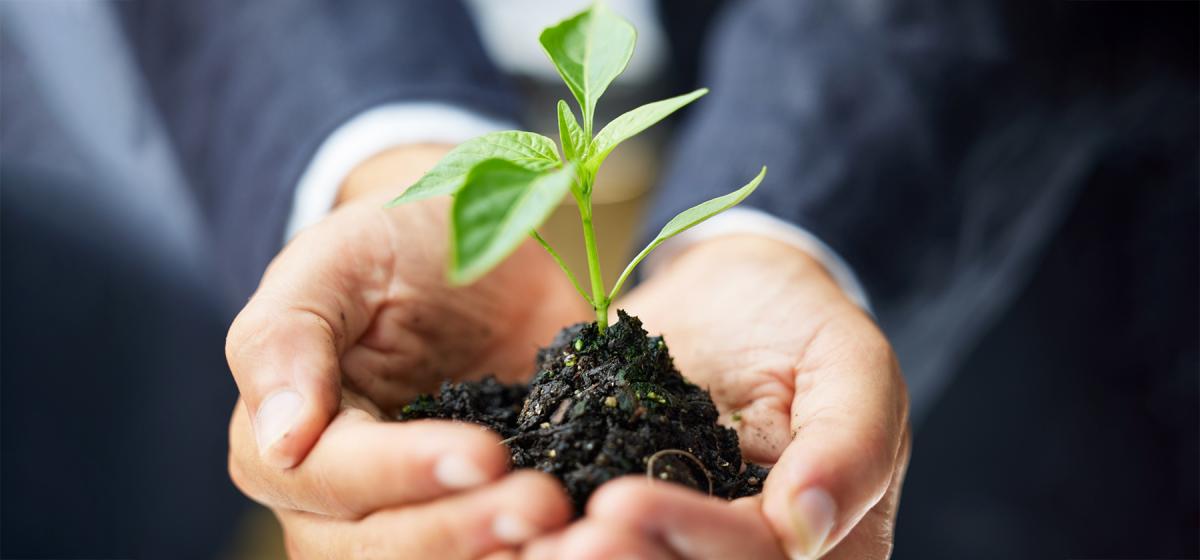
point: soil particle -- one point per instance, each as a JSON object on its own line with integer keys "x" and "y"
{"x": 602, "y": 406}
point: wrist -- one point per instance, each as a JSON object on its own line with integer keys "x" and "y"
{"x": 756, "y": 266}
{"x": 751, "y": 252}
{"x": 385, "y": 175}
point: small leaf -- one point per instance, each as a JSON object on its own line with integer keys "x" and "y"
{"x": 590, "y": 49}
{"x": 498, "y": 205}
{"x": 705, "y": 210}
{"x": 569, "y": 134}
{"x": 687, "y": 219}
{"x": 525, "y": 149}
{"x": 626, "y": 126}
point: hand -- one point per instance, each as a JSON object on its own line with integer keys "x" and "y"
{"x": 351, "y": 321}
{"x": 811, "y": 386}
{"x": 636, "y": 518}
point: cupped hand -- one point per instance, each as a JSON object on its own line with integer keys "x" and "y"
{"x": 811, "y": 386}
{"x": 352, "y": 320}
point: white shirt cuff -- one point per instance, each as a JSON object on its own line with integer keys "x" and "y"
{"x": 370, "y": 133}
{"x": 737, "y": 221}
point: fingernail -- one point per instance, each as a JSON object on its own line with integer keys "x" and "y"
{"x": 456, "y": 471}
{"x": 275, "y": 418}
{"x": 683, "y": 545}
{"x": 512, "y": 529}
{"x": 813, "y": 511}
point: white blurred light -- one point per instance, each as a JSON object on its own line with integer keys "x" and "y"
{"x": 510, "y": 28}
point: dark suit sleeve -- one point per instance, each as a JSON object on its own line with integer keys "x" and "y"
{"x": 833, "y": 98}
{"x": 937, "y": 145}
{"x": 250, "y": 89}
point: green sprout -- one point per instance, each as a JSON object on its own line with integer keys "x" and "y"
{"x": 506, "y": 184}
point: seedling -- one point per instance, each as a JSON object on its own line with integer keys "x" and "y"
{"x": 506, "y": 184}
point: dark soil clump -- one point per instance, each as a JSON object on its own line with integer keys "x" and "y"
{"x": 602, "y": 406}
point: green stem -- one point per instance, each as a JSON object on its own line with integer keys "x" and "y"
{"x": 629, "y": 269}
{"x": 599, "y": 298}
{"x": 562, "y": 265}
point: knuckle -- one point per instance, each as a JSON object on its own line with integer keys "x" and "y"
{"x": 237, "y": 335}
{"x": 262, "y": 325}
{"x": 246, "y": 335}
{"x": 315, "y": 318}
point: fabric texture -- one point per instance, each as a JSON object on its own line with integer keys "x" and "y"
{"x": 937, "y": 146}
{"x": 249, "y": 90}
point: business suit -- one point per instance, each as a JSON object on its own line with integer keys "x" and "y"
{"x": 882, "y": 126}
{"x": 242, "y": 93}
{"x": 992, "y": 171}
{"x": 249, "y": 91}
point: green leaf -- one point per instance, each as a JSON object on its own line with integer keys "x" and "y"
{"x": 705, "y": 210}
{"x": 573, "y": 141}
{"x": 687, "y": 219}
{"x": 498, "y": 205}
{"x": 590, "y": 49}
{"x": 628, "y": 125}
{"x": 530, "y": 151}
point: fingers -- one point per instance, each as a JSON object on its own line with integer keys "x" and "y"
{"x": 285, "y": 365}
{"x": 283, "y": 353}
{"x": 502, "y": 555}
{"x": 689, "y": 524}
{"x": 285, "y": 345}
{"x": 849, "y": 417}
{"x": 590, "y": 539}
{"x": 545, "y": 547}
{"x": 873, "y": 537}
{"x": 468, "y": 525}
{"x": 361, "y": 465}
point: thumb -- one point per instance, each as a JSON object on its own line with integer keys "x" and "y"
{"x": 285, "y": 346}
{"x": 848, "y": 417}
{"x": 285, "y": 366}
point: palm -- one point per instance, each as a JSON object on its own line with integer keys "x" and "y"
{"x": 750, "y": 374}
{"x": 407, "y": 329}
{"x": 803, "y": 374}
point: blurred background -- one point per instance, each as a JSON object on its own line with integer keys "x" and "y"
{"x": 1039, "y": 441}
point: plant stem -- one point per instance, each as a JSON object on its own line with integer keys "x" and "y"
{"x": 616, "y": 290}
{"x": 562, "y": 265}
{"x": 599, "y": 298}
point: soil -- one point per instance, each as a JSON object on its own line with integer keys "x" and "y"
{"x": 602, "y": 406}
